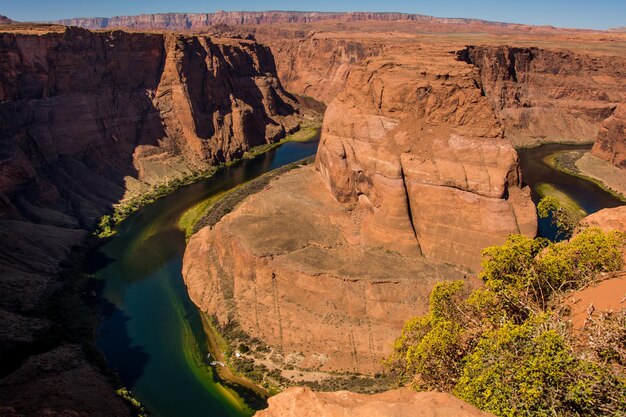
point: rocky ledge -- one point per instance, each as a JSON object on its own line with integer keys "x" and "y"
{"x": 303, "y": 402}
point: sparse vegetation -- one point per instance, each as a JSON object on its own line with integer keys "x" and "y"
{"x": 566, "y": 162}
{"x": 506, "y": 347}
{"x": 132, "y": 401}
{"x": 108, "y": 222}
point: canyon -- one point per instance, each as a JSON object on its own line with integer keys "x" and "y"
{"x": 415, "y": 174}
{"x": 88, "y": 120}
{"x": 416, "y": 166}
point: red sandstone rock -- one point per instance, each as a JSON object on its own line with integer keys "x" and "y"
{"x": 199, "y": 21}
{"x": 549, "y": 95}
{"x": 85, "y": 120}
{"x": 421, "y": 152}
{"x": 303, "y": 281}
{"x": 611, "y": 142}
{"x": 302, "y": 402}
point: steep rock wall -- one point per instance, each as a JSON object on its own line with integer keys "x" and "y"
{"x": 549, "y": 95}
{"x": 317, "y": 65}
{"x": 611, "y": 142}
{"x": 414, "y": 143}
{"x": 195, "y": 21}
{"x": 87, "y": 119}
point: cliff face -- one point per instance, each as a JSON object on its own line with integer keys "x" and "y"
{"x": 317, "y": 65}
{"x": 549, "y": 95}
{"x": 611, "y": 142}
{"x": 87, "y": 119}
{"x": 290, "y": 267}
{"x": 303, "y": 402}
{"x": 421, "y": 152}
{"x": 187, "y": 21}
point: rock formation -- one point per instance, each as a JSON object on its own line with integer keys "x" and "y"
{"x": 87, "y": 119}
{"x": 611, "y": 142}
{"x": 414, "y": 175}
{"x": 547, "y": 95}
{"x": 303, "y": 282}
{"x": 199, "y": 21}
{"x": 422, "y": 154}
{"x": 303, "y": 402}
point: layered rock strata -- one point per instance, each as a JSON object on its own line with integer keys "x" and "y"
{"x": 302, "y": 280}
{"x": 87, "y": 119}
{"x": 303, "y": 402}
{"x": 611, "y": 142}
{"x": 199, "y": 21}
{"x": 413, "y": 143}
{"x": 545, "y": 95}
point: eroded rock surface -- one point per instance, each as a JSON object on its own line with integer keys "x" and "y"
{"x": 413, "y": 143}
{"x": 547, "y": 95}
{"x": 611, "y": 142}
{"x": 303, "y": 281}
{"x": 302, "y": 402}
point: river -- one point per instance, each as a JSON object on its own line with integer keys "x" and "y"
{"x": 152, "y": 334}
{"x": 535, "y": 171}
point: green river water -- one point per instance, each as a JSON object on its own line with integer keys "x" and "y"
{"x": 152, "y": 334}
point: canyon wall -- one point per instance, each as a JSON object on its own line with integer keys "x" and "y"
{"x": 88, "y": 119}
{"x": 415, "y": 144}
{"x": 611, "y": 142}
{"x": 545, "y": 95}
{"x": 317, "y": 65}
{"x": 199, "y": 21}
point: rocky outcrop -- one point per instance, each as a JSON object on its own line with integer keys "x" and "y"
{"x": 88, "y": 119}
{"x": 317, "y": 65}
{"x": 547, "y": 95}
{"x": 611, "y": 142}
{"x": 421, "y": 152}
{"x": 303, "y": 402}
{"x": 303, "y": 281}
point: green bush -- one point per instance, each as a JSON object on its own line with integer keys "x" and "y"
{"x": 503, "y": 349}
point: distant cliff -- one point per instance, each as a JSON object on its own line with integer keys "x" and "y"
{"x": 194, "y": 21}
{"x": 85, "y": 120}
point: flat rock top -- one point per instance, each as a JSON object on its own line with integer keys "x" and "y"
{"x": 296, "y": 221}
{"x": 303, "y": 402}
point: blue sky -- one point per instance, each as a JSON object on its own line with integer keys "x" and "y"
{"x": 597, "y": 14}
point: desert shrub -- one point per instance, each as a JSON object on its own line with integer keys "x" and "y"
{"x": 529, "y": 370}
{"x": 502, "y": 348}
{"x": 565, "y": 222}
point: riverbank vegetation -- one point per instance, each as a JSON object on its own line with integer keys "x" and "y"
{"x": 249, "y": 359}
{"x": 507, "y": 347}
{"x": 107, "y": 223}
{"x": 566, "y": 163}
